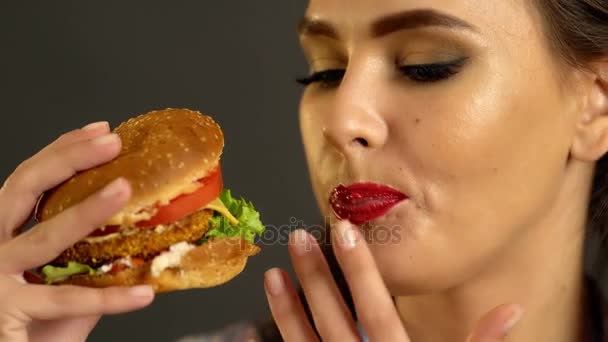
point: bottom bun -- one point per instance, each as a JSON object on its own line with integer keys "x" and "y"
{"x": 213, "y": 263}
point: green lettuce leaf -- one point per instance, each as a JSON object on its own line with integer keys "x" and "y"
{"x": 249, "y": 225}
{"x": 53, "y": 273}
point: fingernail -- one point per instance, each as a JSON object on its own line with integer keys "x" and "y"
{"x": 141, "y": 291}
{"x": 106, "y": 139}
{"x": 345, "y": 234}
{"x": 96, "y": 125}
{"x": 114, "y": 188}
{"x": 274, "y": 282}
{"x": 516, "y": 315}
{"x": 301, "y": 242}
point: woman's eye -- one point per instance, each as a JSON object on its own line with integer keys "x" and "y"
{"x": 432, "y": 72}
{"x": 326, "y": 78}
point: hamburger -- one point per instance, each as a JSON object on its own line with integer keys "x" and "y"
{"x": 179, "y": 230}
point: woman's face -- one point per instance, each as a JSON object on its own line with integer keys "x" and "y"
{"x": 478, "y": 138}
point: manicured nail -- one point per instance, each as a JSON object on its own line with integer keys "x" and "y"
{"x": 301, "y": 242}
{"x": 516, "y": 315}
{"x": 96, "y": 125}
{"x": 141, "y": 291}
{"x": 274, "y": 282}
{"x": 345, "y": 234}
{"x": 106, "y": 139}
{"x": 114, "y": 188}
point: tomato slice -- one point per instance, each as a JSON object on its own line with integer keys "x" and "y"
{"x": 181, "y": 206}
{"x": 184, "y": 205}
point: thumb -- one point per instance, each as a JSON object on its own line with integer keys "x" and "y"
{"x": 495, "y": 325}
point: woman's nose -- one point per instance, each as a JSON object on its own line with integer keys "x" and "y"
{"x": 355, "y": 123}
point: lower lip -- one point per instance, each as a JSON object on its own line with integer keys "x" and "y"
{"x": 362, "y": 202}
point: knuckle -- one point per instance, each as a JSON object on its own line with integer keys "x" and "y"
{"x": 23, "y": 176}
{"x": 329, "y": 333}
{"x": 80, "y": 215}
{"x": 66, "y": 136}
{"x": 57, "y": 297}
{"x": 101, "y": 298}
{"x": 383, "y": 319}
{"x": 42, "y": 235}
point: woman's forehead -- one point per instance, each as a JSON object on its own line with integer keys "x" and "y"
{"x": 350, "y": 15}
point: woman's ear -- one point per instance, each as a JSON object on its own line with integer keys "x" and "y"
{"x": 591, "y": 136}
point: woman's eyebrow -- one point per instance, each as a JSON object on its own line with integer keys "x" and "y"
{"x": 412, "y": 19}
{"x": 316, "y": 27}
{"x": 405, "y": 20}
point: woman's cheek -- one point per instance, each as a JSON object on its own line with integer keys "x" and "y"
{"x": 322, "y": 163}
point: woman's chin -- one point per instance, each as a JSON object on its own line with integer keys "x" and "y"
{"x": 410, "y": 269}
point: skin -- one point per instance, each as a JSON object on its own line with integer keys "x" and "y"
{"x": 32, "y": 312}
{"x": 497, "y": 161}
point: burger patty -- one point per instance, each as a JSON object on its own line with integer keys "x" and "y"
{"x": 144, "y": 243}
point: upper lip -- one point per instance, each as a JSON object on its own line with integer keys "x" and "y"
{"x": 362, "y": 202}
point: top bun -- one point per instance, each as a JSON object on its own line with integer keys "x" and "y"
{"x": 163, "y": 154}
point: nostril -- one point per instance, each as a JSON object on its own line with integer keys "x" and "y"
{"x": 361, "y": 141}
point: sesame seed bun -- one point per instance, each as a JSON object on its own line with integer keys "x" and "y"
{"x": 163, "y": 154}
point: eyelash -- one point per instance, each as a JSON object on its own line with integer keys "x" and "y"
{"x": 420, "y": 73}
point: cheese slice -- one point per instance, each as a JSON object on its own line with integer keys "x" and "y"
{"x": 219, "y": 206}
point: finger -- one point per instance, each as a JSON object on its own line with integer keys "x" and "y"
{"x": 374, "y": 305}
{"x": 331, "y": 315}
{"x": 42, "y": 302}
{"x": 22, "y": 188}
{"x": 71, "y": 329}
{"x": 496, "y": 324}
{"x": 286, "y": 307}
{"x": 50, "y": 238}
{"x": 87, "y": 132}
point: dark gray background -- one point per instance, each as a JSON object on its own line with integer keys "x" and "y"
{"x": 68, "y": 63}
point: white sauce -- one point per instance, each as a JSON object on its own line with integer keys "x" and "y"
{"x": 107, "y": 267}
{"x": 104, "y": 269}
{"x": 170, "y": 258}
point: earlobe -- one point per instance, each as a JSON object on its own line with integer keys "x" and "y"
{"x": 591, "y": 137}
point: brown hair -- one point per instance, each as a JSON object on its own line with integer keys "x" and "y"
{"x": 576, "y": 29}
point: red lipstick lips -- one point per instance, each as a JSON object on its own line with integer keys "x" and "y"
{"x": 363, "y": 202}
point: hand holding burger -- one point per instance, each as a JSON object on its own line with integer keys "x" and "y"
{"x": 89, "y": 177}
{"x": 35, "y": 312}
